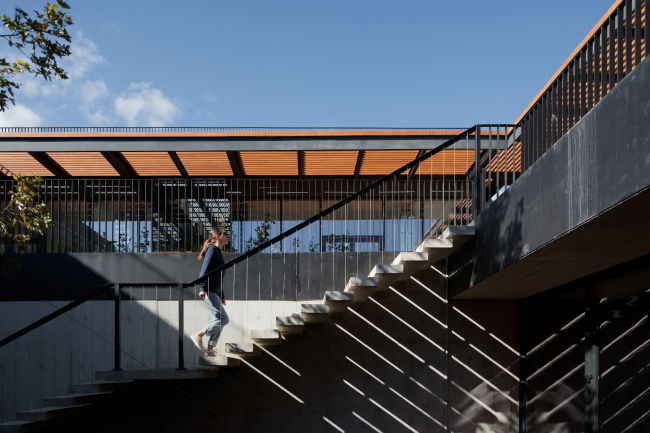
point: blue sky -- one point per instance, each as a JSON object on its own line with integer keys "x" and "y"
{"x": 353, "y": 63}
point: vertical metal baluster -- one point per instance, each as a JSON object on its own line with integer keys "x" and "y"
{"x": 621, "y": 38}
{"x": 628, "y": 37}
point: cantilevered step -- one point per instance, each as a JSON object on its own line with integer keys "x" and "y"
{"x": 338, "y": 301}
{"x": 459, "y": 234}
{"x": 412, "y": 261}
{"x": 243, "y": 349}
{"x": 290, "y": 325}
{"x": 362, "y": 287}
{"x": 219, "y": 361}
{"x": 314, "y": 313}
{"x": 266, "y": 337}
{"x": 24, "y": 426}
{"x": 386, "y": 275}
{"x": 78, "y": 399}
{"x": 88, "y": 388}
{"x": 437, "y": 249}
{"x": 50, "y": 413}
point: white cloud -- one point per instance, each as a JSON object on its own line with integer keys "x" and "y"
{"x": 99, "y": 118}
{"x": 19, "y": 115}
{"x": 91, "y": 92}
{"x": 85, "y": 54}
{"x": 142, "y": 105}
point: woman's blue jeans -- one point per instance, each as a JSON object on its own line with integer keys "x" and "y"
{"x": 219, "y": 318}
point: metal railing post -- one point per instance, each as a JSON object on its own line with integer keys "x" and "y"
{"x": 181, "y": 363}
{"x": 117, "y": 294}
{"x": 477, "y": 199}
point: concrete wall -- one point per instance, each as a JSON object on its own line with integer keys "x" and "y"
{"x": 381, "y": 363}
{"x": 280, "y": 276}
{"x": 602, "y": 160}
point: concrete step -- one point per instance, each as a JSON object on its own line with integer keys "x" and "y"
{"x": 266, "y": 337}
{"x": 362, "y": 287}
{"x": 219, "y": 361}
{"x": 243, "y": 349}
{"x": 386, "y": 275}
{"x": 49, "y": 413}
{"x": 338, "y": 301}
{"x": 26, "y": 426}
{"x": 459, "y": 234}
{"x": 437, "y": 249}
{"x": 78, "y": 399}
{"x": 290, "y": 325}
{"x": 412, "y": 261}
{"x": 89, "y": 388}
{"x": 314, "y": 313}
{"x": 156, "y": 374}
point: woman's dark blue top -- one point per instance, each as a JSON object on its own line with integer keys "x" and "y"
{"x": 212, "y": 259}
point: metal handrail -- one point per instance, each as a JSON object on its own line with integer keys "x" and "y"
{"x": 250, "y": 253}
{"x": 117, "y": 286}
{"x": 334, "y": 207}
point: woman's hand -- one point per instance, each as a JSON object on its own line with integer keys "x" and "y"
{"x": 223, "y": 301}
{"x": 202, "y": 296}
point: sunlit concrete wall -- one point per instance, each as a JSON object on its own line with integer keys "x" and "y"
{"x": 382, "y": 364}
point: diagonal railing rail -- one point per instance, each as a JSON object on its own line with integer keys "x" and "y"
{"x": 488, "y": 151}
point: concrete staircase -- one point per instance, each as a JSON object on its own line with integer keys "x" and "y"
{"x": 357, "y": 290}
{"x": 58, "y": 410}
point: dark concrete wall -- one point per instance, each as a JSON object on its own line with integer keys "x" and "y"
{"x": 281, "y": 276}
{"x": 381, "y": 363}
{"x": 602, "y": 160}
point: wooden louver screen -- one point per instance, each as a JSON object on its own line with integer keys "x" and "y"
{"x": 21, "y": 163}
{"x": 385, "y": 161}
{"x": 205, "y": 163}
{"x": 330, "y": 162}
{"x": 272, "y": 163}
{"x": 84, "y": 163}
{"x": 152, "y": 163}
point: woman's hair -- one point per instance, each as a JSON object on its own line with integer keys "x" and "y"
{"x": 214, "y": 234}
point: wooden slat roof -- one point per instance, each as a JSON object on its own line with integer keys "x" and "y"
{"x": 206, "y": 163}
{"x": 23, "y": 163}
{"x": 151, "y": 163}
{"x": 84, "y": 164}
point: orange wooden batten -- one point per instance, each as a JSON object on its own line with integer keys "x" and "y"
{"x": 384, "y": 161}
{"x": 84, "y": 163}
{"x": 23, "y": 163}
{"x": 151, "y": 163}
{"x": 277, "y": 163}
{"x": 499, "y": 162}
{"x": 447, "y": 162}
{"x": 205, "y": 163}
{"x": 330, "y": 163}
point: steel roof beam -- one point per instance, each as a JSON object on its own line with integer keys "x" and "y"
{"x": 415, "y": 167}
{"x": 235, "y": 164}
{"x": 301, "y": 163}
{"x": 120, "y": 164}
{"x": 357, "y": 168}
{"x": 46, "y": 161}
{"x": 179, "y": 165}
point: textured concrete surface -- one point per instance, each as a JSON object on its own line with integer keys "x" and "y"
{"x": 382, "y": 362}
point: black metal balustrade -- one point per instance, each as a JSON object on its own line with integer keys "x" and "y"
{"x": 176, "y": 215}
{"x": 616, "y": 46}
{"x": 125, "y": 129}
